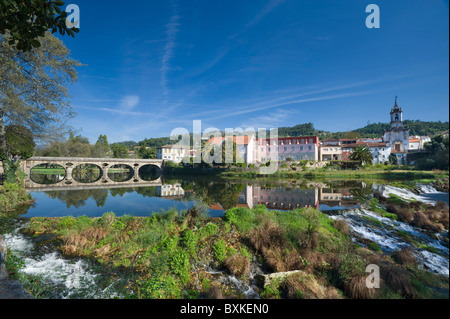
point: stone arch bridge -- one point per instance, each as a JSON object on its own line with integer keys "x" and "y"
{"x": 69, "y": 163}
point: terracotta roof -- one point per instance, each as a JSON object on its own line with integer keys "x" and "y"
{"x": 172, "y": 146}
{"x": 414, "y": 140}
{"x": 331, "y": 140}
{"x": 239, "y": 140}
{"x": 215, "y": 206}
{"x": 366, "y": 144}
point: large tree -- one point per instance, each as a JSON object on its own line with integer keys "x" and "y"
{"x": 33, "y": 88}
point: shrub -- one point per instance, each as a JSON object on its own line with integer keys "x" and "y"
{"x": 220, "y": 250}
{"x": 190, "y": 240}
{"x": 180, "y": 265}
{"x": 406, "y": 257}
{"x": 238, "y": 265}
{"x": 208, "y": 230}
{"x": 341, "y": 226}
{"x": 266, "y": 236}
{"x": 66, "y": 222}
{"x": 356, "y": 288}
{"x": 398, "y": 279}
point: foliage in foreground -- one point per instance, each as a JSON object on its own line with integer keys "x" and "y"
{"x": 172, "y": 254}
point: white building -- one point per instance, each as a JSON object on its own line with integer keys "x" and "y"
{"x": 414, "y": 143}
{"x": 246, "y": 146}
{"x": 398, "y": 135}
{"x": 174, "y": 153}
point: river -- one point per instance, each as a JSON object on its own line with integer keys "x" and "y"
{"x": 76, "y": 278}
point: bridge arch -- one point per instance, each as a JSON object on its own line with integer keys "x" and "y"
{"x": 47, "y": 173}
{"x": 120, "y": 172}
{"x": 149, "y": 172}
{"x": 87, "y": 173}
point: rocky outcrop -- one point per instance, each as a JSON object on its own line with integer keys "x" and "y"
{"x": 9, "y": 289}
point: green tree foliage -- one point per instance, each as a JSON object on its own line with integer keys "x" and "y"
{"x": 75, "y": 146}
{"x": 420, "y": 128}
{"x": 351, "y": 135}
{"x": 147, "y": 152}
{"x": 101, "y": 147}
{"x": 306, "y": 129}
{"x": 154, "y": 142}
{"x": 27, "y": 21}
{"x": 119, "y": 150}
{"x": 437, "y": 156}
{"x": 393, "y": 159}
{"x": 19, "y": 141}
{"x": 362, "y": 155}
{"x": 33, "y": 91}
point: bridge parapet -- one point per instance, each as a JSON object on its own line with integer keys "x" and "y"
{"x": 69, "y": 163}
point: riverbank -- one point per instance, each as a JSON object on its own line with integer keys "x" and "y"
{"x": 379, "y": 172}
{"x": 13, "y": 197}
{"x": 248, "y": 253}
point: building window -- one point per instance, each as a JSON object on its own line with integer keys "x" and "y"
{"x": 285, "y": 149}
{"x": 310, "y": 148}
{"x": 292, "y": 147}
{"x": 301, "y": 148}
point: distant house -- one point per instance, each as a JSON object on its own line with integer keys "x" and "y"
{"x": 330, "y": 152}
{"x": 414, "y": 143}
{"x": 174, "y": 153}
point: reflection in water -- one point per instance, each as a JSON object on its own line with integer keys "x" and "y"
{"x": 47, "y": 174}
{"x": 170, "y": 191}
{"x": 124, "y": 175}
{"x": 219, "y": 196}
{"x": 47, "y": 179}
{"x": 87, "y": 173}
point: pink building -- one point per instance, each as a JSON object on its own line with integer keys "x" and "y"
{"x": 294, "y": 148}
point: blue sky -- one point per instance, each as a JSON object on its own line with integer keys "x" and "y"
{"x": 152, "y": 66}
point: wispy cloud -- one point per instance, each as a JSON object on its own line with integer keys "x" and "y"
{"x": 294, "y": 96}
{"x": 230, "y": 43}
{"x": 275, "y": 119}
{"x": 128, "y": 103}
{"x": 271, "y": 5}
{"x": 171, "y": 32}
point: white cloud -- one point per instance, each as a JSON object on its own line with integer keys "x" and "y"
{"x": 129, "y": 102}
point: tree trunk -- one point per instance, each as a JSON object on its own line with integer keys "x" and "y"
{"x": 2, "y": 136}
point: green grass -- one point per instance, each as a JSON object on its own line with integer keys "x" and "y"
{"x": 325, "y": 173}
{"x": 167, "y": 254}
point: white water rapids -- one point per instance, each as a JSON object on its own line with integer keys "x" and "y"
{"x": 390, "y": 234}
{"x": 71, "y": 278}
